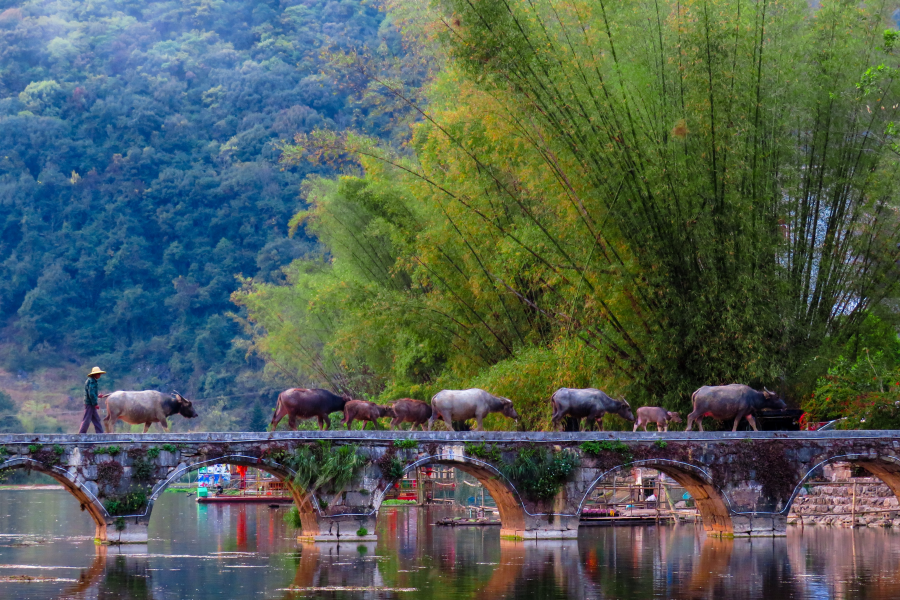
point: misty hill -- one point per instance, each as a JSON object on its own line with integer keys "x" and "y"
{"x": 139, "y": 175}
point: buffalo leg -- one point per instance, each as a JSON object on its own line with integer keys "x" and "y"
{"x": 666, "y": 428}
{"x": 447, "y": 422}
{"x": 280, "y": 413}
{"x": 165, "y": 425}
{"x": 645, "y": 427}
{"x": 752, "y": 420}
{"x": 321, "y": 423}
{"x": 146, "y": 427}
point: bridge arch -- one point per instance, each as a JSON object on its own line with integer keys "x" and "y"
{"x": 306, "y": 503}
{"x": 711, "y": 502}
{"x": 509, "y": 502}
{"x": 88, "y": 500}
{"x": 884, "y": 467}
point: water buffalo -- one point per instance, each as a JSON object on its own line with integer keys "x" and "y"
{"x": 655, "y": 414}
{"x": 461, "y": 405}
{"x": 733, "y": 401}
{"x": 145, "y": 408}
{"x": 367, "y": 412}
{"x": 301, "y": 403}
{"x": 414, "y": 412}
{"x": 589, "y": 403}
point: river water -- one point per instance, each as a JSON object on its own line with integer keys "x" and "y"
{"x": 242, "y": 551}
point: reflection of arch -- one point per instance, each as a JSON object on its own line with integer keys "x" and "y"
{"x": 306, "y": 503}
{"x": 509, "y": 503}
{"x": 85, "y": 497}
{"x": 714, "y": 511}
{"x": 885, "y": 468}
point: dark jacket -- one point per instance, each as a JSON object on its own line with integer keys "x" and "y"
{"x": 91, "y": 390}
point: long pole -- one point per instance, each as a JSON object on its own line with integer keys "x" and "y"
{"x": 853, "y": 507}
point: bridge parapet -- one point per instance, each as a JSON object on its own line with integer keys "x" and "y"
{"x": 743, "y": 483}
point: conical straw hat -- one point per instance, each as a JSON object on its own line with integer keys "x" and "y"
{"x": 96, "y": 371}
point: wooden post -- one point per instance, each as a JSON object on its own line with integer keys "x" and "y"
{"x": 853, "y": 507}
{"x": 658, "y": 499}
{"x": 420, "y": 488}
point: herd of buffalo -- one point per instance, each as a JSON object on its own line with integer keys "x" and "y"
{"x": 724, "y": 403}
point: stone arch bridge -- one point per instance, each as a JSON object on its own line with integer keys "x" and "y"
{"x": 743, "y": 483}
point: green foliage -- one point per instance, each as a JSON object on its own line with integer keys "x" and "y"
{"x": 393, "y": 468}
{"x": 34, "y": 448}
{"x": 362, "y": 532}
{"x": 661, "y": 444}
{"x": 142, "y": 469}
{"x": 111, "y": 450}
{"x": 152, "y": 452}
{"x": 484, "y": 451}
{"x": 538, "y": 473}
{"x": 323, "y": 468}
{"x": 169, "y": 448}
{"x": 6, "y": 403}
{"x": 257, "y": 420}
{"x": 596, "y": 447}
{"x": 126, "y": 504}
{"x": 396, "y": 502}
{"x": 406, "y": 444}
{"x": 292, "y": 518}
{"x": 649, "y": 239}
{"x": 865, "y": 392}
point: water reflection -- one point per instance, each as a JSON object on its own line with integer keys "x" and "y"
{"x": 242, "y": 552}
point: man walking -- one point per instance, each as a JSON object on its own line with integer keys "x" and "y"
{"x": 92, "y": 401}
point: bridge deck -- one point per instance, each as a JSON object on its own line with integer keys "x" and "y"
{"x": 378, "y": 437}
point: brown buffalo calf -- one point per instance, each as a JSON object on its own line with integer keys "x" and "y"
{"x": 367, "y": 412}
{"x": 415, "y": 412}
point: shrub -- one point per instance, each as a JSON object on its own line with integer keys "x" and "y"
{"x": 405, "y": 444}
{"x": 321, "y": 468}
{"x": 142, "y": 469}
{"x": 111, "y": 450}
{"x": 393, "y": 468}
{"x": 126, "y": 504}
{"x": 362, "y": 532}
{"x": 483, "y": 451}
{"x": 538, "y": 473}
{"x": 153, "y": 453}
{"x": 292, "y": 518}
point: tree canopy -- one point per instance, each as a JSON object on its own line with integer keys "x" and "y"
{"x": 644, "y": 197}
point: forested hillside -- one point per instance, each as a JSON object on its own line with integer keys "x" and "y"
{"x": 139, "y": 175}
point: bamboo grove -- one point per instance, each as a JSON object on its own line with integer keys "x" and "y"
{"x": 644, "y": 197}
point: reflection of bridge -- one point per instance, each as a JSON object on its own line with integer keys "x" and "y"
{"x": 743, "y": 483}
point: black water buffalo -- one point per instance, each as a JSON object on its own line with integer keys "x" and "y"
{"x": 145, "y": 408}
{"x": 301, "y": 403}
{"x": 589, "y": 403}
{"x": 735, "y": 401}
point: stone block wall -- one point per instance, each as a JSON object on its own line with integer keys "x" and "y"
{"x": 829, "y": 501}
